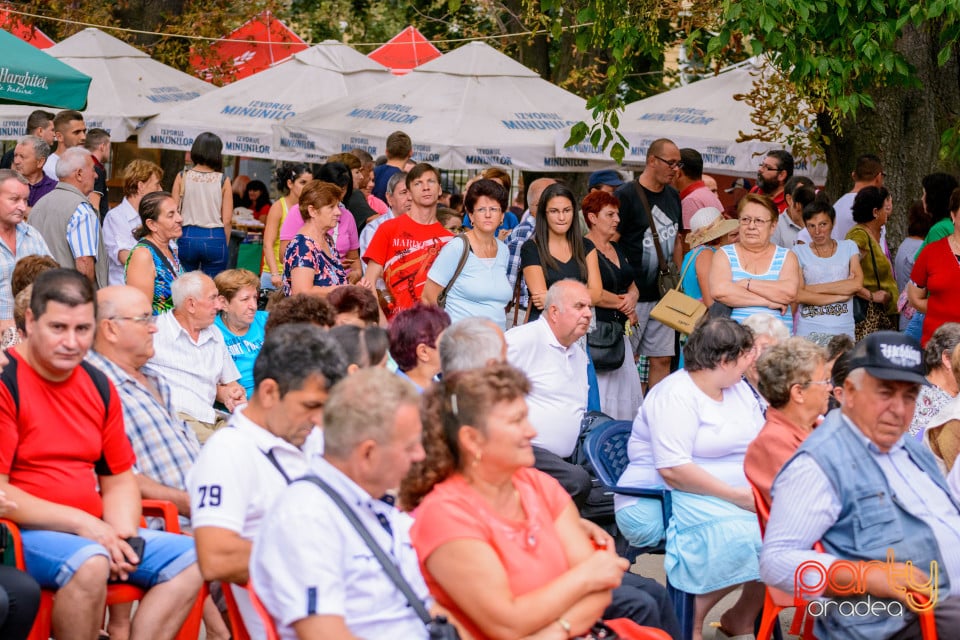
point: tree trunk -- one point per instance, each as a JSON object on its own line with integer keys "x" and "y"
{"x": 904, "y": 129}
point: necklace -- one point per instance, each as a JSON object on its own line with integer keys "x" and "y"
{"x": 827, "y": 253}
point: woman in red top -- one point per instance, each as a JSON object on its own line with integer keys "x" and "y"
{"x": 501, "y": 545}
{"x": 935, "y": 280}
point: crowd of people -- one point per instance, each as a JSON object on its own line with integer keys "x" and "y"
{"x": 431, "y": 370}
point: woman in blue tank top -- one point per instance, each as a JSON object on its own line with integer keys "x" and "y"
{"x": 754, "y": 275}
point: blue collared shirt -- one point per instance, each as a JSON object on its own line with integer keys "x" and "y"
{"x": 29, "y": 243}
{"x": 165, "y": 446}
{"x": 83, "y": 231}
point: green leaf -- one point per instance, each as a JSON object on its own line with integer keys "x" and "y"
{"x": 944, "y": 55}
{"x": 577, "y": 134}
{"x": 595, "y": 137}
{"x": 617, "y": 152}
{"x": 453, "y": 5}
{"x": 614, "y": 120}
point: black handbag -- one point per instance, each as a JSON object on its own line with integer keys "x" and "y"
{"x": 606, "y": 344}
{"x": 438, "y": 628}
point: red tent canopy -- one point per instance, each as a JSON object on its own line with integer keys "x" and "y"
{"x": 270, "y": 41}
{"x": 405, "y": 51}
{"x": 14, "y": 25}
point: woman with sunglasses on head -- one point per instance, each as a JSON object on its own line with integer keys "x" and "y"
{"x": 291, "y": 179}
{"x": 754, "y": 275}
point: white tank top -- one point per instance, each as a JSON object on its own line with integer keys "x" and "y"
{"x": 202, "y": 197}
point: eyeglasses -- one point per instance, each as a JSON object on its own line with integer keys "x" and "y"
{"x": 767, "y": 167}
{"x": 828, "y": 382}
{"x": 144, "y": 319}
{"x": 746, "y": 222}
{"x": 485, "y": 210}
{"x": 555, "y": 212}
{"x": 673, "y": 164}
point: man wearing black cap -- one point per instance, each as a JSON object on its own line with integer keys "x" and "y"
{"x": 876, "y": 500}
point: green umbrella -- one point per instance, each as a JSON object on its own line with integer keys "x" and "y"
{"x": 30, "y": 76}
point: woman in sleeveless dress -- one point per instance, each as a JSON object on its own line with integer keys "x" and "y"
{"x": 754, "y": 275}
{"x": 153, "y": 264}
{"x": 205, "y": 199}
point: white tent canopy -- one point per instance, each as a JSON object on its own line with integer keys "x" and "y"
{"x": 471, "y": 108}
{"x": 243, "y": 113}
{"x": 127, "y": 85}
{"x": 702, "y": 115}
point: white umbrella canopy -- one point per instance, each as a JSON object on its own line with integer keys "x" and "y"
{"x": 127, "y": 86}
{"x": 471, "y": 108}
{"x": 244, "y": 112}
{"x": 702, "y": 115}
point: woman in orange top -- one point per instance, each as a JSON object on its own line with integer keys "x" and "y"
{"x": 501, "y": 545}
{"x": 795, "y": 378}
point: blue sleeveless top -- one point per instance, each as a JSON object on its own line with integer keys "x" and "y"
{"x": 773, "y": 273}
{"x": 167, "y": 272}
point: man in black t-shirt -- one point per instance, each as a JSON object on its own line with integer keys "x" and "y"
{"x": 636, "y": 240}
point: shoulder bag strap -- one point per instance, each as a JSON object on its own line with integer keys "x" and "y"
{"x": 442, "y": 296}
{"x": 691, "y": 261}
{"x": 645, "y": 205}
{"x": 273, "y": 460}
{"x": 156, "y": 249}
{"x": 388, "y": 566}
{"x": 873, "y": 258}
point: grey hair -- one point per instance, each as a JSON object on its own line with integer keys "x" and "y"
{"x": 72, "y": 160}
{"x": 765, "y": 324}
{"x": 944, "y": 339}
{"x": 856, "y": 377}
{"x": 470, "y": 343}
{"x": 792, "y": 361}
{"x": 40, "y": 148}
{"x": 10, "y": 174}
{"x": 557, "y": 292}
{"x": 350, "y": 418}
{"x": 189, "y": 285}
{"x": 395, "y": 179}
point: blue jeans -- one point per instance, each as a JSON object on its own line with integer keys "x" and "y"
{"x": 203, "y": 249}
{"x": 915, "y": 326}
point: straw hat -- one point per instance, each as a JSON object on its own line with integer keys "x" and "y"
{"x": 709, "y": 224}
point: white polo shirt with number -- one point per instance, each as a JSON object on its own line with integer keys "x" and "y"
{"x": 233, "y": 484}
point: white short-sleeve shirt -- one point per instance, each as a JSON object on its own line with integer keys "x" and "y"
{"x": 118, "y": 227}
{"x": 233, "y": 484}
{"x": 309, "y": 560}
{"x": 686, "y": 425}
{"x": 192, "y": 369}
{"x": 558, "y": 377}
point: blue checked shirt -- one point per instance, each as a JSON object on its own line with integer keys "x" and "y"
{"x": 29, "y": 242}
{"x": 166, "y": 448}
{"x": 520, "y": 234}
{"x": 83, "y": 231}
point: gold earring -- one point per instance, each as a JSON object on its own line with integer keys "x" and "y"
{"x": 477, "y": 458}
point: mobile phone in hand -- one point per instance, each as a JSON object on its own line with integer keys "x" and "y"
{"x": 137, "y": 544}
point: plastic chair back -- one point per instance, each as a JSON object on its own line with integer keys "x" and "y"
{"x": 238, "y": 628}
{"x": 606, "y": 449}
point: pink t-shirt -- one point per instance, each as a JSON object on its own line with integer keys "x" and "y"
{"x": 345, "y": 233}
{"x": 377, "y": 204}
{"x": 531, "y": 551}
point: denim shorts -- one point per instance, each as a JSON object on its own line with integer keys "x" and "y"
{"x": 52, "y": 557}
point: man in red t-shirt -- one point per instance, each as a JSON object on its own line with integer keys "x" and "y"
{"x": 403, "y": 249}
{"x": 61, "y": 432}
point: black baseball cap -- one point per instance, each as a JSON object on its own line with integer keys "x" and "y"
{"x": 889, "y": 355}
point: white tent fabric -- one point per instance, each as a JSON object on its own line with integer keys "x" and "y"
{"x": 243, "y": 113}
{"x": 702, "y": 115}
{"x": 471, "y": 108}
{"x": 127, "y": 86}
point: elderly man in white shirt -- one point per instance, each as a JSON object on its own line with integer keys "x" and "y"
{"x": 310, "y": 567}
{"x": 140, "y": 177}
{"x": 547, "y": 351}
{"x": 192, "y": 357}
{"x": 269, "y": 442}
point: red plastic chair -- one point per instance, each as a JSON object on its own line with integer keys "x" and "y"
{"x": 775, "y": 600}
{"x": 237, "y": 628}
{"x": 116, "y": 593}
{"x": 630, "y": 630}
